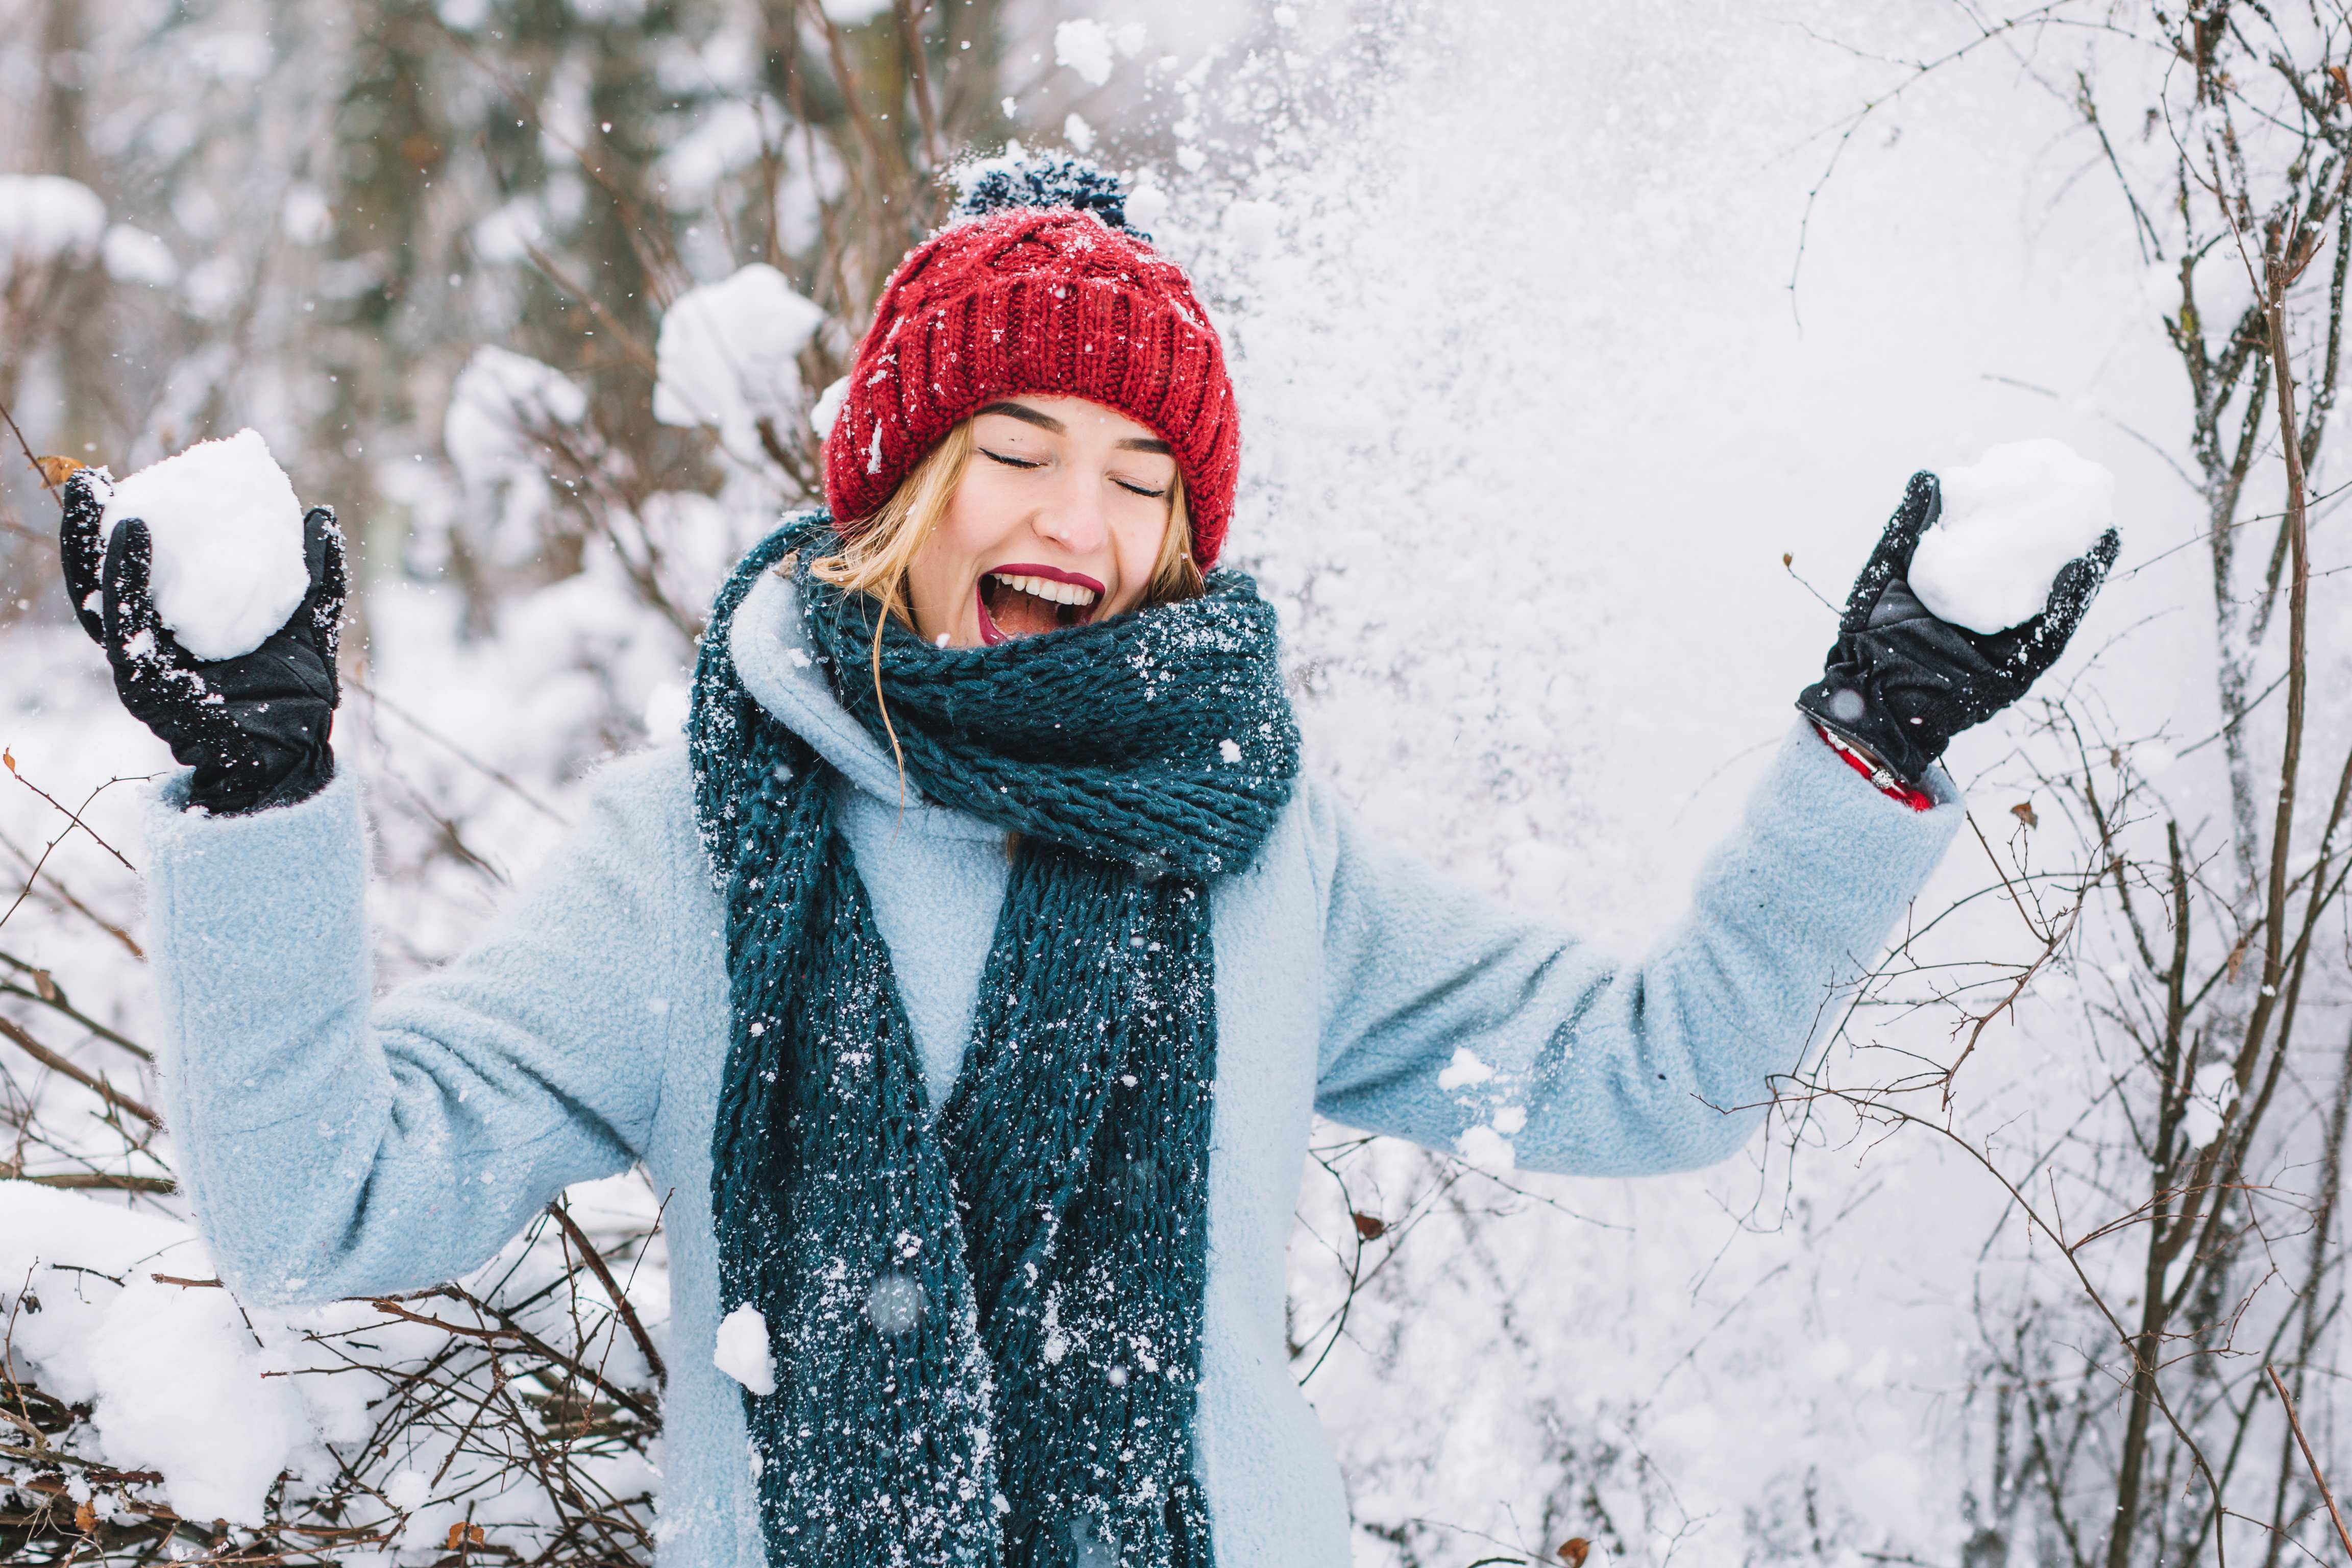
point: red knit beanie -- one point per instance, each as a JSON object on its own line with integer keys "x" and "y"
{"x": 1049, "y": 300}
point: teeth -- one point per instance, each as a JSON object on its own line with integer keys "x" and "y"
{"x": 1045, "y": 589}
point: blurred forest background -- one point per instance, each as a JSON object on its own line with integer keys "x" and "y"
{"x": 1583, "y": 349}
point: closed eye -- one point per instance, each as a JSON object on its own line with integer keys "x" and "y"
{"x": 1010, "y": 462}
{"x": 1139, "y": 489}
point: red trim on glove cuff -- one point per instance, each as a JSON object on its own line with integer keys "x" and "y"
{"x": 1887, "y": 783}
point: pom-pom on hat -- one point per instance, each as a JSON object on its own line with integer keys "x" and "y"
{"x": 1036, "y": 286}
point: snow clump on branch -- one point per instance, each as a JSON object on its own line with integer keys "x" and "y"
{"x": 728, "y": 355}
{"x": 500, "y": 406}
{"x": 47, "y": 218}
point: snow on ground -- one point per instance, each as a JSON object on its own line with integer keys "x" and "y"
{"x": 2011, "y": 520}
{"x": 228, "y": 567}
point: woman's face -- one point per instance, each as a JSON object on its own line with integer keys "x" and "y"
{"x": 1058, "y": 521}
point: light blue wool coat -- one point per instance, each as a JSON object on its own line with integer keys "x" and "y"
{"x": 336, "y": 1144}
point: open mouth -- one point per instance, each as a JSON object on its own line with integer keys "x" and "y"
{"x": 1019, "y": 600}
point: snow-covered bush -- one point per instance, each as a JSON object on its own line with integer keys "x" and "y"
{"x": 512, "y": 1414}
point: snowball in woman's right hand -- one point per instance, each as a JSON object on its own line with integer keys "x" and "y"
{"x": 226, "y": 534}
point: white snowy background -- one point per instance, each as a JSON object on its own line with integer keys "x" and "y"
{"x": 1555, "y": 332}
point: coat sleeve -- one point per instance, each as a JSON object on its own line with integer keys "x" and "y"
{"x": 332, "y": 1147}
{"x": 1464, "y": 1026}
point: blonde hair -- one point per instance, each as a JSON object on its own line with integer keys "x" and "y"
{"x": 875, "y": 562}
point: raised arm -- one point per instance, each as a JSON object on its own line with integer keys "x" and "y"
{"x": 334, "y": 1149}
{"x": 1450, "y": 1022}
{"x": 1467, "y": 1026}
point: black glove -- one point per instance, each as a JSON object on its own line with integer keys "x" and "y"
{"x": 255, "y": 727}
{"x": 1902, "y": 683}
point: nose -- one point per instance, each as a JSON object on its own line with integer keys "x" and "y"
{"x": 1073, "y": 516}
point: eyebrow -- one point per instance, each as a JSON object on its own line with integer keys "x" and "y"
{"x": 1044, "y": 421}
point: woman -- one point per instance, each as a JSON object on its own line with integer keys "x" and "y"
{"x": 970, "y": 981}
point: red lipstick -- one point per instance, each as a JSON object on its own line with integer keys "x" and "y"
{"x": 1050, "y": 574}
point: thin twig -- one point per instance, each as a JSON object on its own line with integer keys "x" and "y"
{"x": 630, "y": 345}
{"x": 2312, "y": 1459}
{"x": 613, "y": 1290}
{"x": 27, "y": 448}
{"x": 93, "y": 1180}
{"x": 539, "y": 1347}
{"x": 1789, "y": 564}
{"x": 386, "y": 1304}
{"x": 52, "y": 996}
{"x": 65, "y": 895}
{"x": 74, "y": 816}
{"x": 55, "y": 1063}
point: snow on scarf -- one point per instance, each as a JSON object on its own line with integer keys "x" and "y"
{"x": 985, "y": 1329}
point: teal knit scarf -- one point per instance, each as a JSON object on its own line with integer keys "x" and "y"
{"x": 985, "y": 1327}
